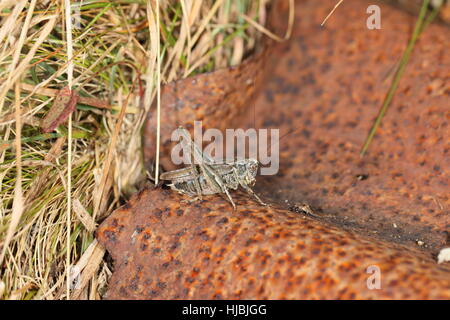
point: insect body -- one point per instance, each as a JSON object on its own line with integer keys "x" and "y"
{"x": 209, "y": 177}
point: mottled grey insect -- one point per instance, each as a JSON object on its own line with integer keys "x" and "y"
{"x": 205, "y": 176}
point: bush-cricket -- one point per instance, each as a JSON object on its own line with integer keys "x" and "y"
{"x": 205, "y": 176}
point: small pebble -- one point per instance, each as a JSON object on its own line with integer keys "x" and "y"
{"x": 444, "y": 255}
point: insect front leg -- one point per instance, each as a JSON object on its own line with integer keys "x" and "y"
{"x": 247, "y": 188}
{"x": 251, "y": 192}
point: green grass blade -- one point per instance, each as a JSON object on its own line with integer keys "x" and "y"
{"x": 398, "y": 74}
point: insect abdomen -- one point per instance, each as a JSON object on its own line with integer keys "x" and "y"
{"x": 189, "y": 186}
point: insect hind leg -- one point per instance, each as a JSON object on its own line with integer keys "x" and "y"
{"x": 197, "y": 186}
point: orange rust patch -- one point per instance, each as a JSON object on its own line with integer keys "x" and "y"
{"x": 212, "y": 252}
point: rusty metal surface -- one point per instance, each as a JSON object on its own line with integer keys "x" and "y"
{"x": 326, "y": 87}
{"x": 164, "y": 249}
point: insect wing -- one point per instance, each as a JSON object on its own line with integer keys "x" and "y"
{"x": 179, "y": 175}
{"x": 222, "y": 168}
{"x": 186, "y": 173}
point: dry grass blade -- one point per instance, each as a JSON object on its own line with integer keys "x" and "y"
{"x": 69, "y": 45}
{"x": 2, "y": 288}
{"x": 94, "y": 256}
{"x": 83, "y": 215}
{"x": 17, "y": 72}
{"x": 270, "y": 34}
{"x": 18, "y": 202}
{"x": 158, "y": 94}
{"x": 99, "y": 195}
{"x": 331, "y": 13}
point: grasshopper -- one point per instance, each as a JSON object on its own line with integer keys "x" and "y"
{"x": 209, "y": 177}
